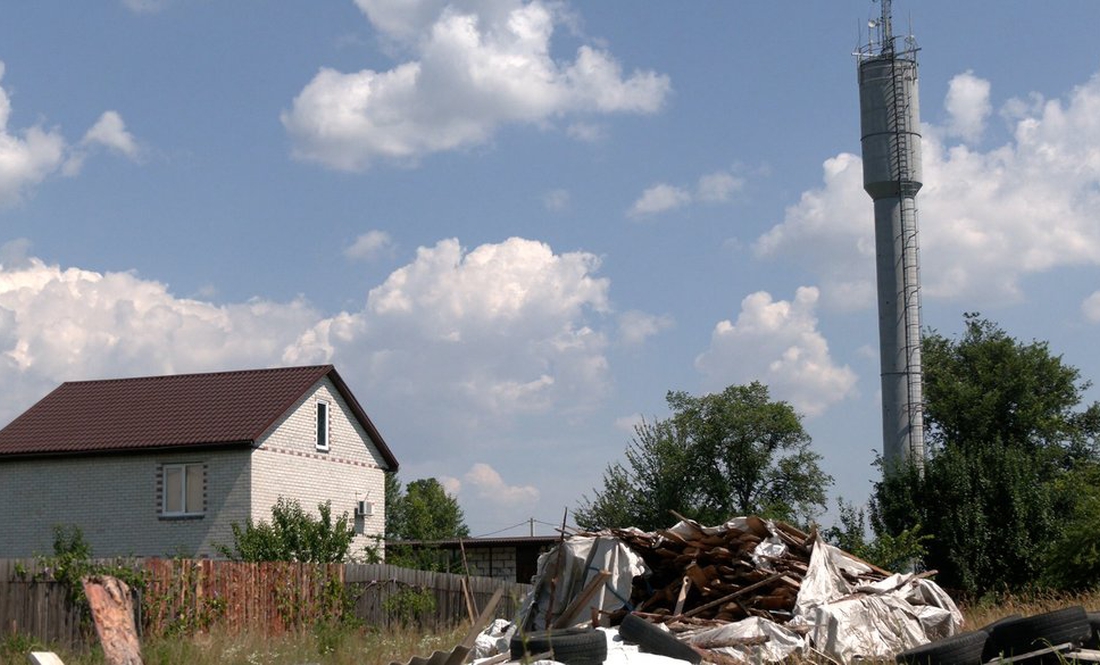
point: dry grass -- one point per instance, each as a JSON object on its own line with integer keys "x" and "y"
{"x": 364, "y": 646}
{"x": 992, "y": 608}
{"x": 328, "y": 646}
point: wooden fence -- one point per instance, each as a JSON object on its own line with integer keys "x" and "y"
{"x": 30, "y": 608}
{"x": 191, "y": 595}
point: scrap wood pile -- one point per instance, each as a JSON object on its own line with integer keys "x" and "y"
{"x": 705, "y": 576}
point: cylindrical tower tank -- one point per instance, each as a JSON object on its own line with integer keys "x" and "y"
{"x": 890, "y": 124}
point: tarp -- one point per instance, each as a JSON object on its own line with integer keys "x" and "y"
{"x": 841, "y": 619}
{"x": 582, "y": 558}
{"x": 869, "y": 621}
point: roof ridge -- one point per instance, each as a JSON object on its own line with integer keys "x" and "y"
{"x": 124, "y": 379}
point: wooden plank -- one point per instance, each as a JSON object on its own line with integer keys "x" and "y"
{"x": 583, "y": 597}
{"x": 736, "y": 594}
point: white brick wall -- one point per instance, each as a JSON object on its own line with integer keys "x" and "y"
{"x": 113, "y": 499}
{"x": 499, "y": 562}
{"x": 287, "y": 463}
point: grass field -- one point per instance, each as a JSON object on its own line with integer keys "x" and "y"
{"x": 363, "y": 646}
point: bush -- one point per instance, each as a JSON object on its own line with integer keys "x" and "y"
{"x": 410, "y": 605}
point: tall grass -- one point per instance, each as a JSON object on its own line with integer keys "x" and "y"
{"x": 992, "y": 607}
{"x": 338, "y": 645}
{"x": 329, "y": 645}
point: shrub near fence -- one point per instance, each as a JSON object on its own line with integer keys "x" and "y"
{"x": 183, "y": 595}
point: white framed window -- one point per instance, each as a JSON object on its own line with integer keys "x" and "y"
{"x": 322, "y": 426}
{"x": 182, "y": 489}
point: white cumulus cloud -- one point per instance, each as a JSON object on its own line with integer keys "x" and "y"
{"x": 778, "y": 344}
{"x": 477, "y": 335}
{"x": 29, "y": 156}
{"x": 636, "y": 327}
{"x": 661, "y": 197}
{"x": 59, "y": 324}
{"x": 475, "y": 66}
{"x": 369, "y": 245}
{"x": 987, "y": 219}
{"x": 1090, "y": 307}
{"x": 110, "y": 132}
{"x": 716, "y": 187}
{"x": 486, "y": 483}
{"x": 967, "y": 106}
{"x": 501, "y": 329}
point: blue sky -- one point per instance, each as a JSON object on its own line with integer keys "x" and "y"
{"x": 514, "y": 226}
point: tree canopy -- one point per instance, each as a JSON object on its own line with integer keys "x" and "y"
{"x": 293, "y": 535}
{"x": 422, "y": 511}
{"x": 736, "y": 452}
{"x": 1007, "y": 432}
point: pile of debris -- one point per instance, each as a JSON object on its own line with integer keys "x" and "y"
{"x": 725, "y": 574}
{"x": 750, "y": 588}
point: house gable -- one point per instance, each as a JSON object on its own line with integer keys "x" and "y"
{"x": 287, "y": 462}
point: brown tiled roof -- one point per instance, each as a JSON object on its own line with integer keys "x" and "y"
{"x": 155, "y": 412}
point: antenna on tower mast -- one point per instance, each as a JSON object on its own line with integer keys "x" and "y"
{"x": 886, "y": 29}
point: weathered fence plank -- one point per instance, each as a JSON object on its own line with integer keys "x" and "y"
{"x": 34, "y": 606}
{"x": 188, "y": 595}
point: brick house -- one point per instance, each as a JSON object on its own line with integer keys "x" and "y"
{"x": 163, "y": 465}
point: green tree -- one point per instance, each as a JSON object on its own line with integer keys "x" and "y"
{"x": 886, "y": 551}
{"x": 1005, "y": 426}
{"x": 293, "y": 535}
{"x": 731, "y": 453}
{"x": 422, "y": 511}
{"x": 1073, "y": 561}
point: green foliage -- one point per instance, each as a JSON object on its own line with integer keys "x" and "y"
{"x": 1073, "y": 561}
{"x": 14, "y": 647}
{"x": 731, "y": 453}
{"x": 423, "y": 512}
{"x": 72, "y": 561}
{"x": 293, "y": 535}
{"x": 1004, "y": 429}
{"x": 886, "y": 551}
{"x": 409, "y": 605}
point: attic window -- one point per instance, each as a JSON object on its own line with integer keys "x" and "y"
{"x": 322, "y": 426}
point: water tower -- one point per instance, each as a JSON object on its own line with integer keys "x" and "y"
{"x": 890, "y": 139}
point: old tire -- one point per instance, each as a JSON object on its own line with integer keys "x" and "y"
{"x": 990, "y": 647}
{"x": 988, "y": 628}
{"x": 961, "y": 649}
{"x": 650, "y": 638}
{"x": 1094, "y": 631}
{"x": 572, "y": 646}
{"x": 1020, "y": 636}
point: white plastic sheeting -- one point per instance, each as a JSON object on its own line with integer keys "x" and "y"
{"x": 832, "y": 616}
{"x": 780, "y": 643}
{"x": 494, "y": 639}
{"x": 582, "y": 558}
{"x": 875, "y": 620}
